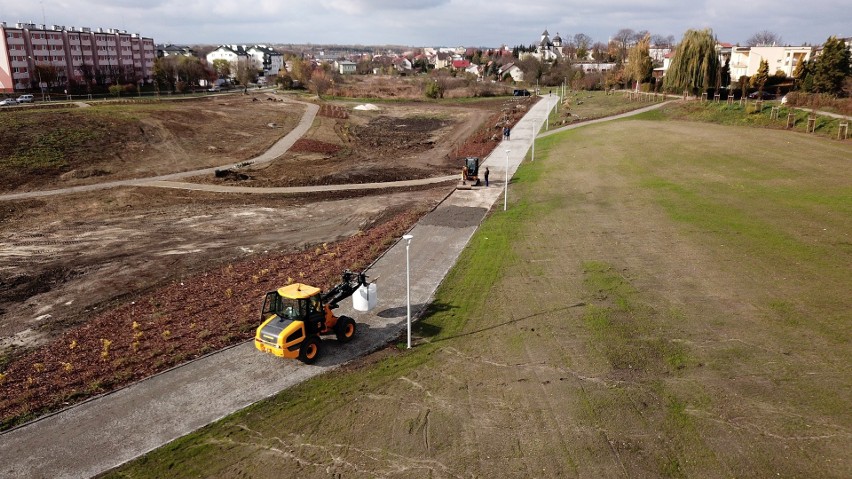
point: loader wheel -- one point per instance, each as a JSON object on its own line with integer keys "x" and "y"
{"x": 345, "y": 329}
{"x": 310, "y": 349}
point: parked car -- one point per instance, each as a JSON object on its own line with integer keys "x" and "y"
{"x": 25, "y": 99}
{"x": 214, "y": 88}
{"x": 761, "y": 95}
{"x": 8, "y": 102}
{"x": 521, "y": 92}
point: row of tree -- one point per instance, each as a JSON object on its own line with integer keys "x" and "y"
{"x": 696, "y": 67}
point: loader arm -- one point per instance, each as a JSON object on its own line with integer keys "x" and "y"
{"x": 346, "y": 288}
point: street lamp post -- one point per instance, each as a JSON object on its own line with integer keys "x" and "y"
{"x": 506, "y": 186}
{"x": 533, "y": 149}
{"x": 407, "y": 239}
{"x": 38, "y": 71}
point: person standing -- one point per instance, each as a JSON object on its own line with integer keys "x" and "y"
{"x": 486, "y": 176}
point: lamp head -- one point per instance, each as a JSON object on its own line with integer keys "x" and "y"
{"x": 407, "y": 237}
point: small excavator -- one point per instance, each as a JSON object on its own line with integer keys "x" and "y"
{"x": 294, "y": 316}
{"x": 470, "y": 172}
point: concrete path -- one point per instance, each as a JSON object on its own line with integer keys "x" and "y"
{"x": 608, "y": 118}
{"x": 107, "y": 431}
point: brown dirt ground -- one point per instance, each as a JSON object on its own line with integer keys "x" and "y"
{"x": 401, "y": 141}
{"x": 133, "y": 141}
{"x": 76, "y": 269}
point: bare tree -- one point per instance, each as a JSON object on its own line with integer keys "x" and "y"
{"x": 660, "y": 41}
{"x": 321, "y": 81}
{"x": 623, "y": 39}
{"x": 764, "y": 38}
{"x": 639, "y": 36}
{"x": 582, "y": 42}
{"x": 600, "y": 52}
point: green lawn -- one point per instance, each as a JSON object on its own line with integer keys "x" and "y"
{"x": 662, "y": 299}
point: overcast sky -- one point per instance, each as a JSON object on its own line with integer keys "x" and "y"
{"x": 489, "y": 23}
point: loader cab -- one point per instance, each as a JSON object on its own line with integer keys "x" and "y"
{"x": 284, "y": 308}
{"x": 295, "y": 302}
{"x": 472, "y": 164}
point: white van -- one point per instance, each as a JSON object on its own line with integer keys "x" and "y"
{"x": 25, "y": 99}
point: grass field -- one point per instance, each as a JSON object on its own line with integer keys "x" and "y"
{"x": 662, "y": 299}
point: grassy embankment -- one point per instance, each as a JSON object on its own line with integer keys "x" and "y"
{"x": 663, "y": 298}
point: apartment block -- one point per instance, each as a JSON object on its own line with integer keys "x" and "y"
{"x": 71, "y": 57}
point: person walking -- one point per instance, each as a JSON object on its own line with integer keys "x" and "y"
{"x": 486, "y": 177}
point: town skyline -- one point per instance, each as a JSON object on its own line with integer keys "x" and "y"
{"x": 431, "y": 22}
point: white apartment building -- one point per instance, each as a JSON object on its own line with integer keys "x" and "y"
{"x": 261, "y": 57}
{"x": 746, "y": 60}
{"x": 79, "y": 56}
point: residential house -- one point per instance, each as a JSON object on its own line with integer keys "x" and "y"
{"x": 402, "y": 65}
{"x": 170, "y": 50}
{"x": 441, "y": 60}
{"x": 513, "y": 71}
{"x": 460, "y": 64}
{"x": 266, "y": 59}
{"x": 345, "y": 67}
{"x": 236, "y": 55}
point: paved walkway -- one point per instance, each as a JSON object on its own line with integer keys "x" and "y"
{"x": 107, "y": 431}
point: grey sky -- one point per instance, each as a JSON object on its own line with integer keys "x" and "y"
{"x": 434, "y": 22}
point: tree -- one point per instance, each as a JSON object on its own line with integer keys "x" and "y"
{"x": 441, "y": 80}
{"x": 600, "y": 52}
{"x": 759, "y": 79}
{"x": 222, "y": 68}
{"x": 46, "y": 73}
{"x": 301, "y": 71}
{"x": 832, "y": 67}
{"x": 695, "y": 63}
{"x": 533, "y": 68}
{"x": 191, "y": 70}
{"x": 321, "y": 81}
{"x": 582, "y": 42}
{"x": 660, "y": 41}
{"x": 639, "y": 66}
{"x": 246, "y": 73}
{"x": 763, "y": 38}
{"x": 165, "y": 72}
{"x": 725, "y": 74}
{"x": 623, "y": 39}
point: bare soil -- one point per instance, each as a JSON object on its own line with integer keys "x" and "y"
{"x": 400, "y": 141}
{"x": 51, "y": 148}
{"x": 170, "y": 274}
